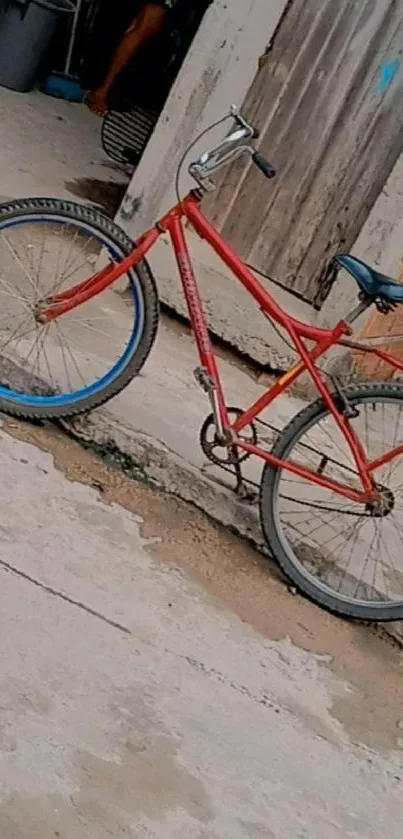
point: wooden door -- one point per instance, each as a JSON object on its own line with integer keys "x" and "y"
{"x": 328, "y": 103}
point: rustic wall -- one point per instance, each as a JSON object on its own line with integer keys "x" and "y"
{"x": 327, "y": 104}
{"x": 379, "y": 244}
{"x": 217, "y": 72}
{"x": 387, "y": 334}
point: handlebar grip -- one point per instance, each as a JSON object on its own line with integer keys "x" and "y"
{"x": 263, "y": 165}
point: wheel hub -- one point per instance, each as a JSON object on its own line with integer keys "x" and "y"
{"x": 383, "y": 504}
{"x": 40, "y": 311}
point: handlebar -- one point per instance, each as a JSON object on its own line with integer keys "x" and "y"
{"x": 263, "y": 165}
{"x": 232, "y": 147}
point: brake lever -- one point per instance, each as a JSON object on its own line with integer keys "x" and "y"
{"x": 237, "y": 116}
{"x": 205, "y": 183}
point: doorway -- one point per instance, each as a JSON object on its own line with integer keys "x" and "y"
{"x": 142, "y": 89}
{"x": 52, "y": 146}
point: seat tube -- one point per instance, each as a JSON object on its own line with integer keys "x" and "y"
{"x": 198, "y": 322}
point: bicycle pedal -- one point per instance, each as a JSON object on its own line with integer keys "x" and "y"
{"x": 247, "y": 496}
{"x": 204, "y": 379}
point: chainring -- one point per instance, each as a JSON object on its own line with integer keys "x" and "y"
{"x": 230, "y": 454}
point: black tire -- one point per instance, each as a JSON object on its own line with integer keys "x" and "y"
{"x": 304, "y": 581}
{"x": 122, "y": 244}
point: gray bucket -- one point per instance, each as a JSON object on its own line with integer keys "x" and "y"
{"x": 26, "y": 31}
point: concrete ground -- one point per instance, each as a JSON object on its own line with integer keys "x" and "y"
{"x": 52, "y": 148}
{"x": 157, "y": 680}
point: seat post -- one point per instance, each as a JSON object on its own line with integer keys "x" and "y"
{"x": 358, "y": 310}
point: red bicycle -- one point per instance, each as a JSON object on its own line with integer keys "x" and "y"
{"x": 330, "y": 497}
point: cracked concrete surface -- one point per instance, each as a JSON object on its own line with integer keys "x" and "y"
{"x": 143, "y": 696}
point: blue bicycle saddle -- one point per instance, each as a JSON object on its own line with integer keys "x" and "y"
{"x": 371, "y": 282}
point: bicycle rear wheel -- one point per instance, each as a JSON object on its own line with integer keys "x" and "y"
{"x": 345, "y": 557}
{"x": 81, "y": 359}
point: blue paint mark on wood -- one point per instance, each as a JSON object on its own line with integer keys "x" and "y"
{"x": 388, "y": 73}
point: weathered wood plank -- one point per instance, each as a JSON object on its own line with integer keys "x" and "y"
{"x": 328, "y": 105}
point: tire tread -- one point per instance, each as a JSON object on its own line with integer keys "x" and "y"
{"x": 81, "y": 212}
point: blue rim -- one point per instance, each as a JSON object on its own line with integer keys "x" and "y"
{"x": 102, "y": 383}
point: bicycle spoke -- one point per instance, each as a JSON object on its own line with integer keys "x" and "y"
{"x": 17, "y": 297}
{"x": 357, "y": 530}
{"x": 72, "y": 356}
{"x": 49, "y": 248}
{"x": 20, "y": 264}
{"x": 18, "y": 334}
{"x": 90, "y": 328}
{"x": 354, "y": 551}
{"x": 63, "y": 274}
{"x": 392, "y": 566}
{"x": 40, "y": 346}
{"x": 40, "y": 260}
{"x": 78, "y": 268}
{"x": 375, "y": 538}
{"x": 47, "y": 362}
{"x": 59, "y": 338}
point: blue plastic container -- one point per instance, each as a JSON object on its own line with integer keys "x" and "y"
{"x": 63, "y": 86}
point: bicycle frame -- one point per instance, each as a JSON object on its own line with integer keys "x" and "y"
{"x": 323, "y": 339}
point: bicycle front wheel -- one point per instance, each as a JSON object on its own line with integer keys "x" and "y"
{"x": 81, "y": 359}
{"x": 346, "y": 557}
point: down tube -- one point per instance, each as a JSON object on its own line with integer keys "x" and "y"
{"x": 195, "y": 309}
